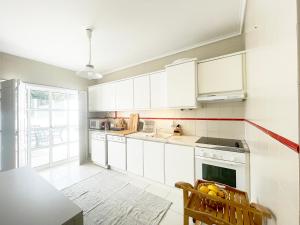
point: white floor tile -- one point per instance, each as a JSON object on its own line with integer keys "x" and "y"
{"x": 140, "y": 183}
{"x": 66, "y": 175}
{"x": 159, "y": 190}
{"x": 177, "y": 201}
{"x": 172, "y": 218}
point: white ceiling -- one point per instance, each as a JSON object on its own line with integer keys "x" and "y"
{"x": 126, "y": 32}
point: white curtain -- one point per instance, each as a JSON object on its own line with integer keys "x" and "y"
{"x": 8, "y": 125}
{"x": 13, "y": 125}
{"x": 83, "y": 127}
{"x": 22, "y": 147}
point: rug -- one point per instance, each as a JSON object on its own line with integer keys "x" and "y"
{"x": 109, "y": 200}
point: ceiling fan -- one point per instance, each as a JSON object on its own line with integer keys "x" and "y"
{"x": 89, "y": 71}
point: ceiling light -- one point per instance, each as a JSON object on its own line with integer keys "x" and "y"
{"x": 88, "y": 71}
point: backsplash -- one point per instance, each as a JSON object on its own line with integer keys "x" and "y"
{"x": 207, "y": 120}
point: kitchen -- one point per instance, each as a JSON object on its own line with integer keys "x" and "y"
{"x": 177, "y": 156}
{"x": 178, "y": 117}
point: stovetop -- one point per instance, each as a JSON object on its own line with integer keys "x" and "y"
{"x": 224, "y": 144}
{"x": 221, "y": 142}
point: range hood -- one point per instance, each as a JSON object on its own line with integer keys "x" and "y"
{"x": 224, "y": 96}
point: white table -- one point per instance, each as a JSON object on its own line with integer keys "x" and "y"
{"x": 27, "y": 199}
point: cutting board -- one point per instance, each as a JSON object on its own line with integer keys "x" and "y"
{"x": 133, "y": 122}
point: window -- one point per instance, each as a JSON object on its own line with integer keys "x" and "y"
{"x": 52, "y": 125}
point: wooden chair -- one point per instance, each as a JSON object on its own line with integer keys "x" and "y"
{"x": 235, "y": 210}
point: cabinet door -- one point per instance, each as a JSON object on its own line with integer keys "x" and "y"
{"x": 141, "y": 92}
{"x": 117, "y": 155}
{"x": 135, "y": 156}
{"x": 181, "y": 85}
{"x": 124, "y": 94}
{"x": 179, "y": 164}
{"x": 154, "y": 161}
{"x": 108, "y": 97}
{"x": 95, "y": 95}
{"x": 158, "y": 84}
{"x": 221, "y": 75}
{"x": 98, "y": 151}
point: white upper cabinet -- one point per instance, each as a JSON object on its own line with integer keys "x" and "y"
{"x": 108, "y": 97}
{"x": 181, "y": 85}
{"x": 221, "y": 74}
{"x": 95, "y": 95}
{"x": 158, "y": 84}
{"x": 102, "y": 97}
{"x": 141, "y": 92}
{"x": 124, "y": 94}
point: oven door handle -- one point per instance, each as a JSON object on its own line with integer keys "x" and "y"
{"x": 220, "y": 161}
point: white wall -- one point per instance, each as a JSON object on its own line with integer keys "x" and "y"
{"x": 30, "y": 71}
{"x": 219, "y": 48}
{"x": 223, "y": 129}
{"x": 271, "y": 45}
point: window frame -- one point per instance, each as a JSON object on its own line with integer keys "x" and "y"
{"x": 68, "y": 93}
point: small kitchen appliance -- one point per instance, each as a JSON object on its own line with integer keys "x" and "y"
{"x": 95, "y": 124}
{"x": 223, "y": 160}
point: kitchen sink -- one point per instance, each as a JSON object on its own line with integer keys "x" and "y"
{"x": 160, "y": 135}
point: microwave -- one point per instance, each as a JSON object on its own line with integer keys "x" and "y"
{"x": 95, "y": 124}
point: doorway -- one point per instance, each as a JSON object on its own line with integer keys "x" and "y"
{"x": 52, "y": 125}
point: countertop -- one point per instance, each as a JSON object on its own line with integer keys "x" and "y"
{"x": 171, "y": 139}
{"x": 122, "y": 133}
{"x": 187, "y": 140}
{"x": 27, "y": 199}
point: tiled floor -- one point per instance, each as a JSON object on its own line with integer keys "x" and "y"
{"x": 68, "y": 174}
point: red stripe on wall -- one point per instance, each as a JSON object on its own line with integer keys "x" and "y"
{"x": 290, "y": 144}
{"x": 184, "y": 118}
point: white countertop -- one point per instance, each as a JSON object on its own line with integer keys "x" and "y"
{"x": 184, "y": 140}
{"x": 27, "y": 199}
{"x": 109, "y": 132}
{"x": 180, "y": 140}
{"x": 187, "y": 140}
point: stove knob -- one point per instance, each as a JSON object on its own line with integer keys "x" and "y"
{"x": 214, "y": 156}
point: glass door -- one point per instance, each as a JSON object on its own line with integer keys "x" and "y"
{"x": 52, "y": 126}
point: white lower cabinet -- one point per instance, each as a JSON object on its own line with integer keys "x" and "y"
{"x": 116, "y": 152}
{"x": 135, "y": 156}
{"x": 98, "y": 148}
{"x": 179, "y": 164}
{"x": 154, "y": 168}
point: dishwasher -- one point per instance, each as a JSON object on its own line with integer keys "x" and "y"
{"x": 116, "y": 146}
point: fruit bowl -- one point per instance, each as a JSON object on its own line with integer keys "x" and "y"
{"x": 213, "y": 190}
